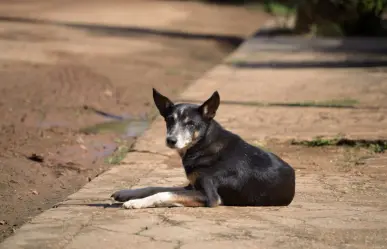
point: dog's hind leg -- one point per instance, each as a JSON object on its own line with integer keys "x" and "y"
{"x": 184, "y": 198}
{"x": 129, "y": 194}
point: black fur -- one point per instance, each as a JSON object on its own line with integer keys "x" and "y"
{"x": 242, "y": 175}
{"x": 225, "y": 165}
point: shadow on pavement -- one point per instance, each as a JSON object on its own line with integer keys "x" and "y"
{"x": 285, "y": 104}
{"x": 312, "y": 64}
{"x": 98, "y": 205}
{"x": 105, "y": 205}
{"x": 284, "y": 40}
{"x": 232, "y": 41}
{"x": 355, "y": 52}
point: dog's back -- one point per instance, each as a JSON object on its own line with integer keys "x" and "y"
{"x": 244, "y": 175}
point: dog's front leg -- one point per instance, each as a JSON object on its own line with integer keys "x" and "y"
{"x": 209, "y": 190}
{"x": 185, "y": 198}
{"x": 129, "y": 194}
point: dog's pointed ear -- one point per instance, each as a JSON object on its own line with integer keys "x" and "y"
{"x": 163, "y": 104}
{"x": 208, "y": 109}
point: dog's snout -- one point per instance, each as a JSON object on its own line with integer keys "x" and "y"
{"x": 171, "y": 141}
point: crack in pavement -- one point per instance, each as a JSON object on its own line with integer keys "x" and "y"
{"x": 179, "y": 244}
{"x": 73, "y": 236}
{"x": 152, "y": 238}
{"x": 169, "y": 221}
{"x": 149, "y": 152}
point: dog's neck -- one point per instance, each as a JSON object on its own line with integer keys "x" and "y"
{"x": 182, "y": 152}
{"x": 207, "y": 149}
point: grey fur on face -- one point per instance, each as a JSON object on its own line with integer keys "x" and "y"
{"x": 182, "y": 129}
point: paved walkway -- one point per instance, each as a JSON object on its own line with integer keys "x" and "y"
{"x": 341, "y": 199}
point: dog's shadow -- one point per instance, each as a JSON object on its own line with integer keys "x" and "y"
{"x": 98, "y": 205}
{"x": 105, "y": 205}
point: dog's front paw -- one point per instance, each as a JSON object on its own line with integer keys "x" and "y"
{"x": 124, "y": 195}
{"x": 134, "y": 204}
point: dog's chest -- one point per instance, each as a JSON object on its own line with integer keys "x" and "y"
{"x": 192, "y": 173}
{"x": 196, "y": 167}
{"x": 192, "y": 178}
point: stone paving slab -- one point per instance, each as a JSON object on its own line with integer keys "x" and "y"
{"x": 361, "y": 86}
{"x": 270, "y": 38}
{"x": 286, "y": 43}
{"x": 295, "y": 69}
{"x": 284, "y": 124}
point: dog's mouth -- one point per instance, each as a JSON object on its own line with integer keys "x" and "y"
{"x": 171, "y": 146}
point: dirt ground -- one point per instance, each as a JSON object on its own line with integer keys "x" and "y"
{"x": 53, "y": 76}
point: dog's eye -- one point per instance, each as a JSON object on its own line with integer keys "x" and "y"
{"x": 169, "y": 119}
{"x": 189, "y": 123}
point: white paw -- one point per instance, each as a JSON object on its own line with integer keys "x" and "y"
{"x": 133, "y": 204}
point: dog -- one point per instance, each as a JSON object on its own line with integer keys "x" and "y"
{"x": 222, "y": 169}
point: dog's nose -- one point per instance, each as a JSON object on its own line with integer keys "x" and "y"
{"x": 171, "y": 141}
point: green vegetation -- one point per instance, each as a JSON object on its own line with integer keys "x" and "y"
{"x": 118, "y": 155}
{"x": 336, "y": 103}
{"x": 316, "y": 142}
{"x": 325, "y": 17}
{"x": 279, "y": 8}
{"x": 116, "y": 126}
{"x": 332, "y": 17}
{"x": 260, "y": 144}
{"x": 340, "y": 17}
{"x": 273, "y": 7}
{"x": 127, "y": 128}
{"x": 377, "y": 146}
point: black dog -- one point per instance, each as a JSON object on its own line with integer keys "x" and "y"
{"x": 221, "y": 167}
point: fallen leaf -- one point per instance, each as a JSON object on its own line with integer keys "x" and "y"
{"x": 80, "y": 140}
{"x": 36, "y": 158}
{"x": 108, "y": 93}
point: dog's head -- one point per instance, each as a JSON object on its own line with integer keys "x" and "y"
{"x": 186, "y": 123}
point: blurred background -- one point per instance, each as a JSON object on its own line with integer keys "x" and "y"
{"x": 76, "y": 77}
